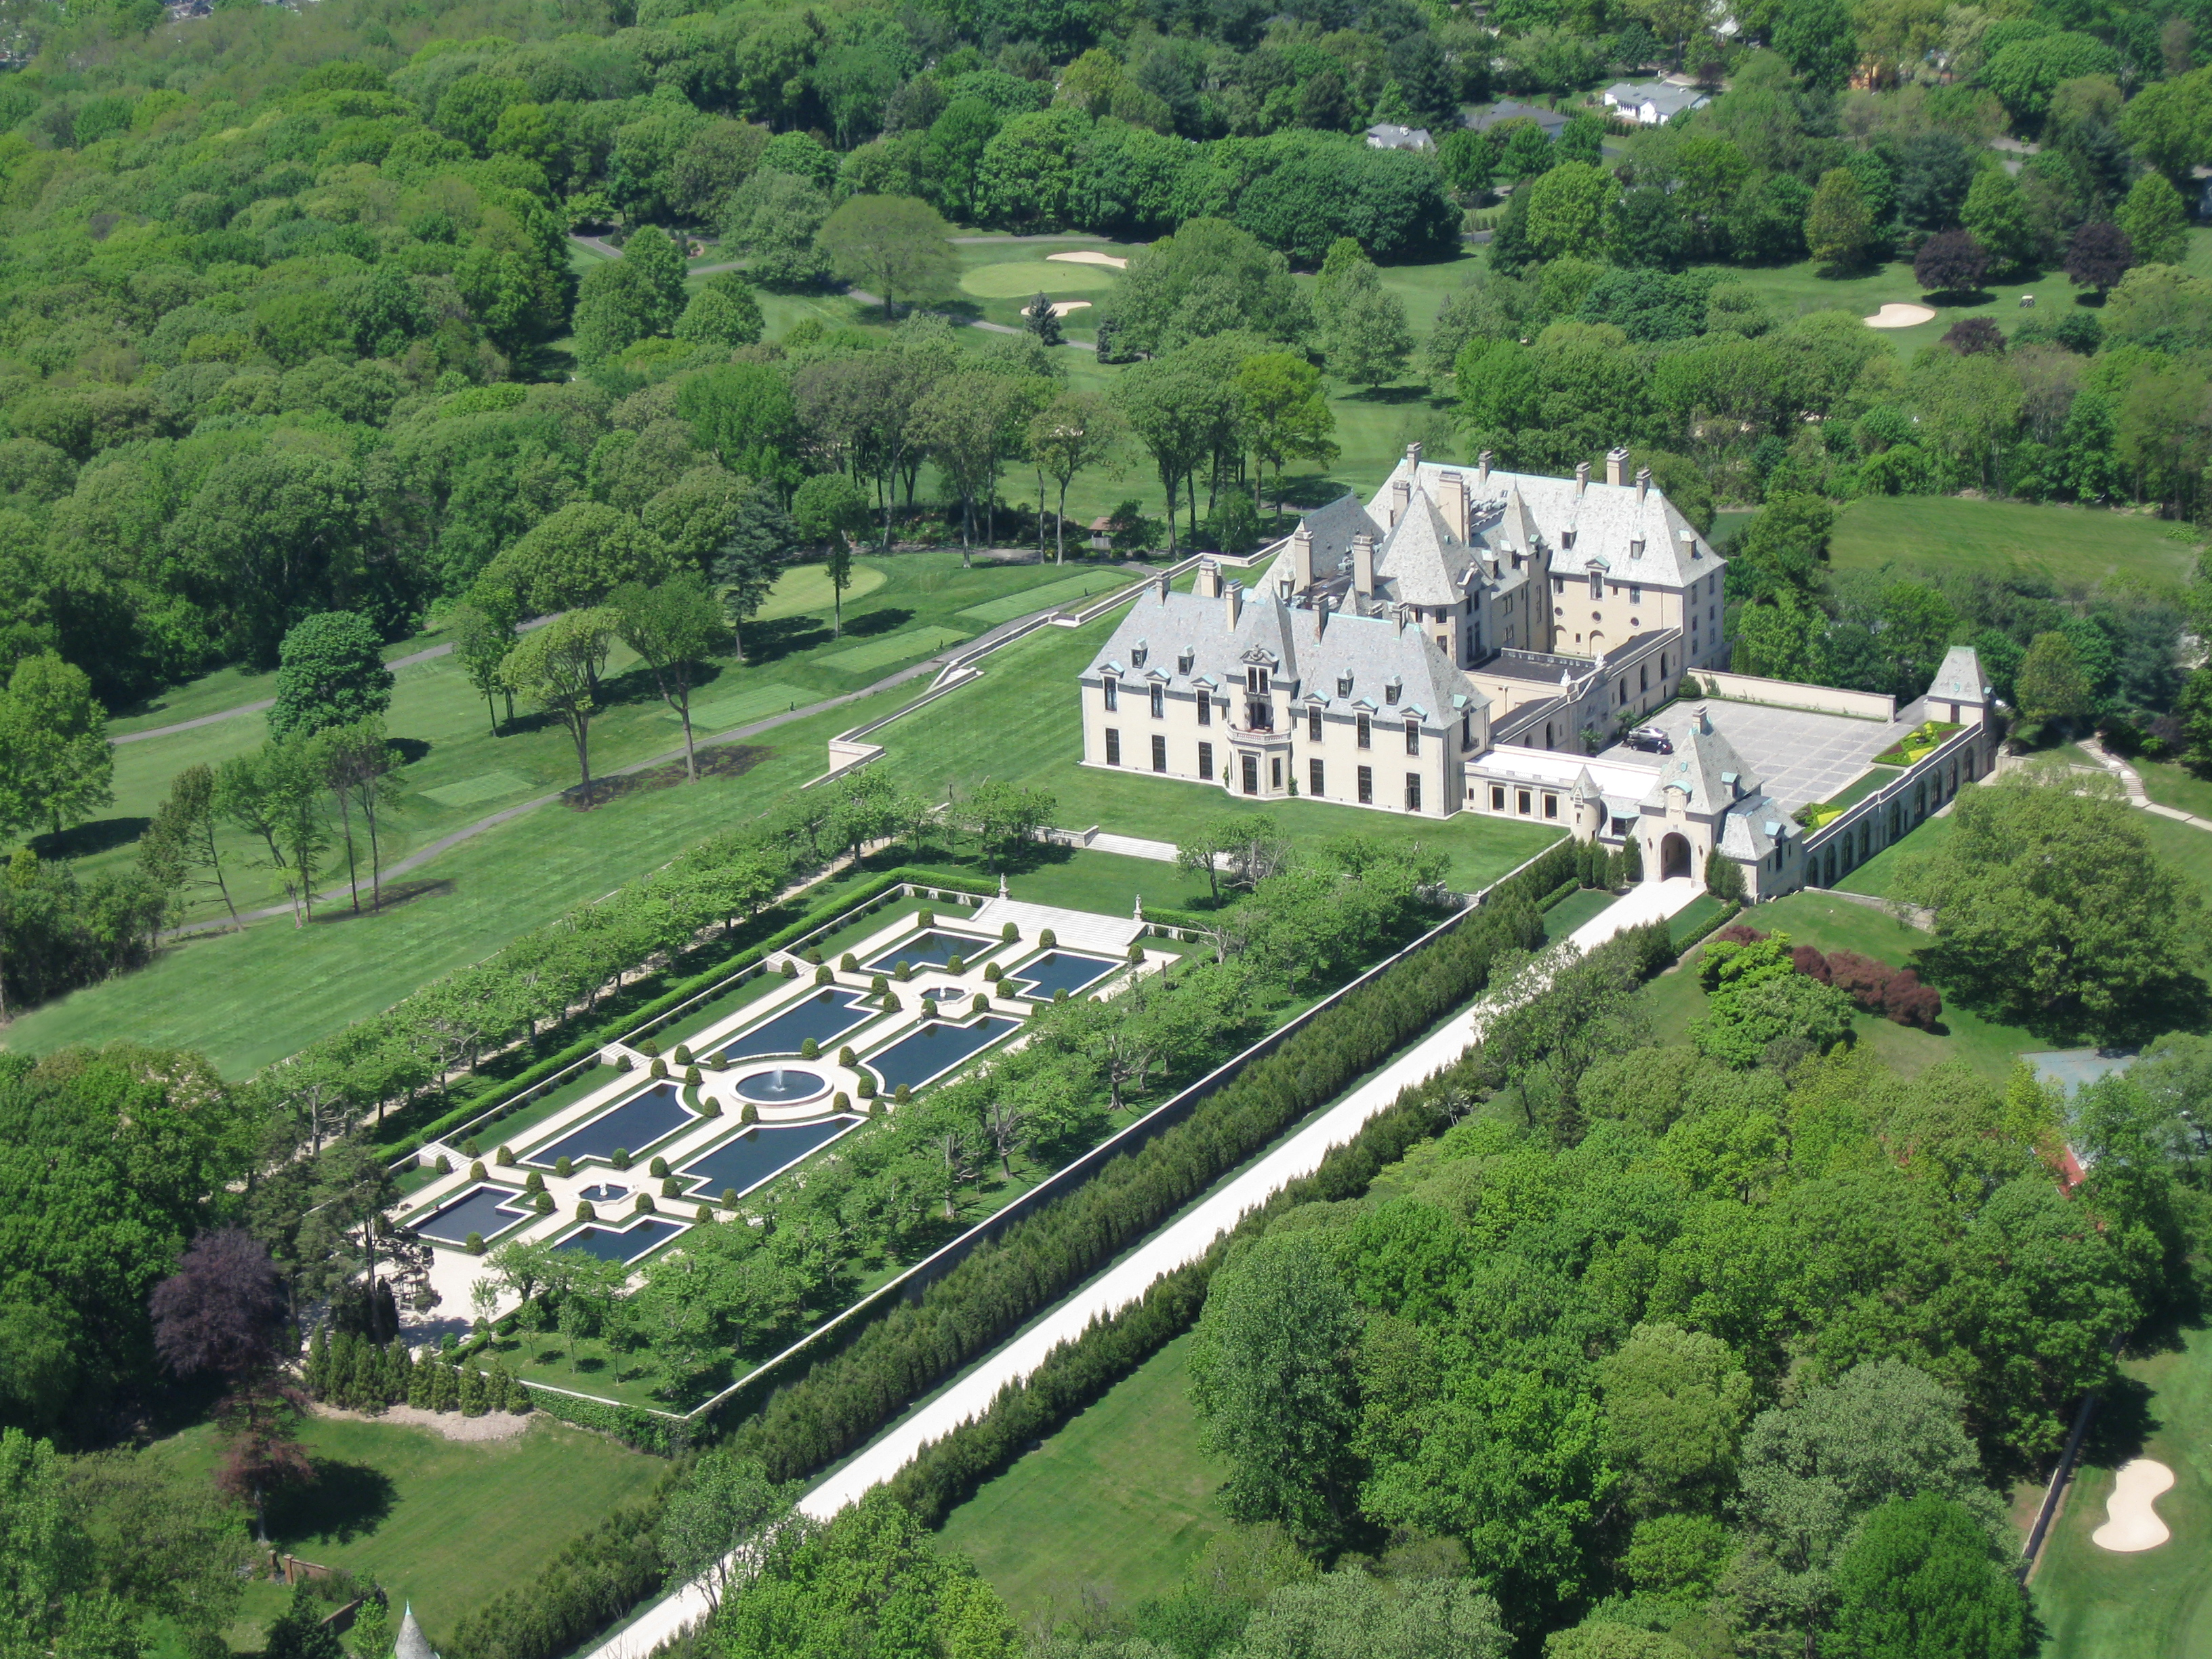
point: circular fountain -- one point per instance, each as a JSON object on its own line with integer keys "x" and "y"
{"x": 782, "y": 1085}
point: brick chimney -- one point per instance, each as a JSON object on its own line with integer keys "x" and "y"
{"x": 1301, "y": 564}
{"x": 1582, "y": 479}
{"x": 1482, "y": 467}
{"x": 1233, "y": 597}
{"x": 1452, "y": 487}
{"x": 1642, "y": 483}
{"x": 1616, "y": 467}
{"x": 1363, "y": 564}
{"x": 1401, "y": 499}
{"x": 1208, "y": 584}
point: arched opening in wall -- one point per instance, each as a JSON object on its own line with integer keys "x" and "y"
{"x": 1674, "y": 857}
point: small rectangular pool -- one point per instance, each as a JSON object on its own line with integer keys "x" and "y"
{"x": 936, "y": 1048}
{"x": 610, "y": 1243}
{"x": 630, "y": 1125}
{"x": 486, "y": 1211}
{"x": 1057, "y": 971}
{"x": 825, "y": 1016}
{"x": 758, "y": 1154}
{"x": 933, "y": 948}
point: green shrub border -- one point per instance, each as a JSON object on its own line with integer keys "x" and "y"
{"x": 1712, "y": 925}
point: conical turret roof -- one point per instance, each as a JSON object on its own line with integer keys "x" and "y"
{"x": 412, "y": 1643}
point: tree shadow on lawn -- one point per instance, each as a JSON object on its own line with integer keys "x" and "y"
{"x": 331, "y": 912}
{"x": 83, "y": 840}
{"x": 872, "y": 622}
{"x": 727, "y": 760}
{"x": 1391, "y": 395}
{"x": 343, "y": 1501}
{"x": 769, "y": 641}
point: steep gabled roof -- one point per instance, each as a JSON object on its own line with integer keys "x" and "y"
{"x": 1421, "y": 562}
{"x": 1960, "y": 678}
{"x": 1706, "y": 770}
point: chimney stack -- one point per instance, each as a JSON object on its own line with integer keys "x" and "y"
{"x": 1398, "y": 614}
{"x": 1363, "y": 564}
{"x": 1401, "y": 499}
{"x": 1233, "y": 595}
{"x": 1581, "y": 478}
{"x": 1616, "y": 467}
{"x": 1208, "y": 584}
{"x": 1301, "y": 564}
{"x": 1163, "y": 587}
{"x": 1482, "y": 467}
{"x": 1412, "y": 456}
{"x": 1453, "y": 491}
{"x": 1642, "y": 483}
{"x": 1283, "y": 589}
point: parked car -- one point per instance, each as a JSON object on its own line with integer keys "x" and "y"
{"x": 1650, "y": 739}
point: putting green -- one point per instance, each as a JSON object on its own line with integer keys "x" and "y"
{"x": 1019, "y": 279}
{"x": 806, "y": 587}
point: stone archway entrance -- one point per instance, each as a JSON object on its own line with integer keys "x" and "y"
{"x": 1674, "y": 857}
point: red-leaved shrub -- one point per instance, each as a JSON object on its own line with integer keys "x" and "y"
{"x": 1895, "y": 993}
{"x": 1810, "y": 963}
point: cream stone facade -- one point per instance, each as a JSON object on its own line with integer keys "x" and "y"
{"x": 1468, "y": 640}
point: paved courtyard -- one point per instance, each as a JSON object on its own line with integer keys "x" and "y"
{"x": 1798, "y": 756}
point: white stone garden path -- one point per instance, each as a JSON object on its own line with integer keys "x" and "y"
{"x": 1182, "y": 1241}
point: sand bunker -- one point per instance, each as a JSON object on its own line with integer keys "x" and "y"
{"x": 2135, "y": 1524}
{"x": 1062, "y": 307}
{"x": 1892, "y": 315}
{"x": 1088, "y": 257}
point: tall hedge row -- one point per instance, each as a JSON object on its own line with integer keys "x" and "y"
{"x": 589, "y": 1585}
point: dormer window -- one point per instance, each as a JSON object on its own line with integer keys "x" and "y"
{"x": 1255, "y": 682}
{"x": 1136, "y": 654}
{"x": 1566, "y": 538}
{"x": 1183, "y": 663}
{"x": 1391, "y": 687}
{"x": 1344, "y": 685}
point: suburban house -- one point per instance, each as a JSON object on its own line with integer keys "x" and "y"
{"x": 1551, "y": 121}
{"x": 1387, "y": 135}
{"x": 1651, "y": 103}
{"x": 1472, "y": 639}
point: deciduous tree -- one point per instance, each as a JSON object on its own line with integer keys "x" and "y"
{"x": 674, "y": 628}
{"x": 893, "y": 244}
{"x": 330, "y": 672}
{"x": 55, "y": 764}
{"x": 557, "y": 668}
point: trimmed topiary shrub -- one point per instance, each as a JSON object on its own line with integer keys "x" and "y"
{"x": 644, "y": 1205}
{"x": 534, "y": 1181}
{"x": 622, "y": 1062}
{"x": 474, "y": 1244}
{"x": 682, "y": 1054}
{"x": 928, "y": 918}
{"x": 444, "y": 1165}
{"x": 709, "y": 1107}
{"x": 810, "y": 1049}
{"x": 841, "y": 1101}
{"x": 659, "y": 1068}
{"x": 470, "y": 1147}
{"x": 878, "y": 984}
{"x": 813, "y": 957}
{"x": 658, "y": 1168}
{"x": 903, "y": 970}
{"x": 729, "y": 1198}
{"x": 1047, "y": 939}
{"x": 848, "y": 963}
{"x": 1136, "y": 952}
{"x": 790, "y": 969}
{"x": 824, "y": 976}
{"x": 620, "y": 1160}
{"x": 993, "y": 973}
{"x": 866, "y": 1085}
{"x": 750, "y": 1115}
{"x": 545, "y": 1205}
{"x": 692, "y": 1077}
{"x": 505, "y": 1157}
{"x": 585, "y": 1211}
{"x": 903, "y": 1095}
{"x": 672, "y": 1188}
{"x": 1009, "y": 933}
{"x": 476, "y": 1170}
{"x": 981, "y": 1004}
{"x": 564, "y": 1168}
{"x": 847, "y": 1058}
{"x": 956, "y": 964}
{"x": 876, "y": 1107}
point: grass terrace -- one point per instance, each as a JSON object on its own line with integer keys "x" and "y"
{"x": 2177, "y": 787}
{"x": 2074, "y": 547}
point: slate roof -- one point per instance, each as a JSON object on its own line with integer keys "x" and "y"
{"x": 1313, "y": 649}
{"x": 1513, "y": 511}
{"x": 411, "y": 1642}
{"x": 1385, "y": 134}
{"x": 1707, "y": 771}
{"x": 1507, "y": 109}
{"x": 1960, "y": 678}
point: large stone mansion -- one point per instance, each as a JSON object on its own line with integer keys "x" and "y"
{"x": 1469, "y": 640}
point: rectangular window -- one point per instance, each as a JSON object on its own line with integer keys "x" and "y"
{"x": 1559, "y": 586}
{"x": 1498, "y": 798}
{"x": 1597, "y": 584}
{"x": 1275, "y": 772}
{"x": 1413, "y": 737}
{"x": 1159, "y": 754}
{"x": 1313, "y": 725}
{"x": 1314, "y": 777}
{"x": 1413, "y": 792}
{"x": 1204, "y": 709}
{"x": 1366, "y": 733}
{"x": 1550, "y": 806}
{"x": 1521, "y": 802}
{"x": 1159, "y": 702}
{"x": 1205, "y": 761}
{"x": 1113, "y": 744}
{"x": 1635, "y": 594}
{"x": 1251, "y": 774}
{"x": 1255, "y": 681}
{"x": 1644, "y": 677}
{"x": 1113, "y": 689}
{"x": 1367, "y": 786}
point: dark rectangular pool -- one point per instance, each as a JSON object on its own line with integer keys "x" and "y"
{"x": 759, "y": 1153}
{"x": 825, "y": 1016}
{"x": 933, "y": 948}
{"x": 610, "y": 1243}
{"x": 1057, "y": 971}
{"x": 487, "y": 1211}
{"x": 935, "y": 1050}
{"x": 633, "y": 1124}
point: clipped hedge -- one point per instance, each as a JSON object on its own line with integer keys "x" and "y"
{"x": 846, "y": 1396}
{"x": 596, "y": 1580}
{"x": 633, "y": 1426}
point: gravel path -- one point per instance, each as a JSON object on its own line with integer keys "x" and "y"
{"x": 1181, "y": 1242}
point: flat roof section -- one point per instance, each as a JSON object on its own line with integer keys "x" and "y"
{"x": 1797, "y": 756}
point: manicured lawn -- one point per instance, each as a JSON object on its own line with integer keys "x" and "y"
{"x": 1837, "y": 924}
{"x": 2072, "y": 546}
{"x": 1874, "y": 877}
{"x": 443, "y": 1524}
{"x": 2184, "y": 846}
{"x": 1109, "y": 883}
{"x": 1572, "y": 912}
{"x": 1118, "y": 1502}
{"x": 1692, "y": 916}
{"x": 2174, "y": 785}
{"x": 2151, "y": 1604}
{"x": 1026, "y": 701}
